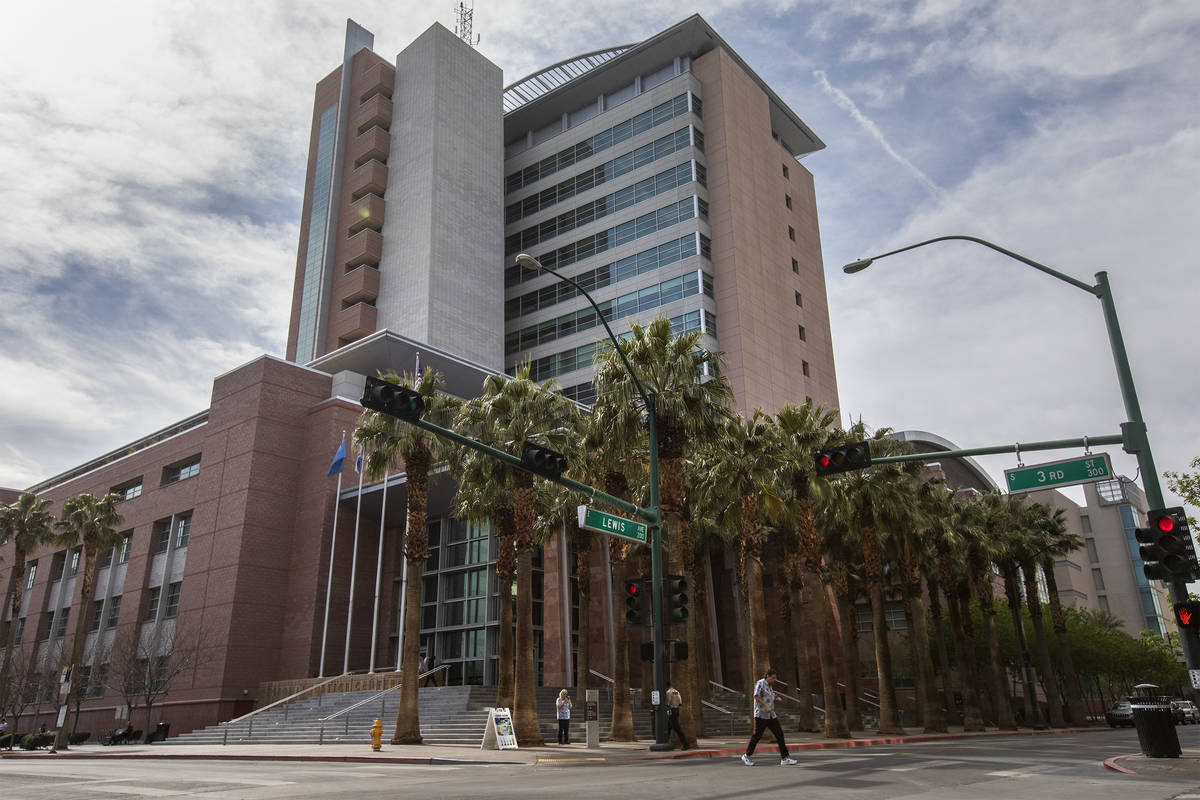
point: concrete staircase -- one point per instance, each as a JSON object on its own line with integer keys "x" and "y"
{"x": 449, "y": 715}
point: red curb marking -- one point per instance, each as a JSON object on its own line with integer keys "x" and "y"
{"x": 1112, "y": 764}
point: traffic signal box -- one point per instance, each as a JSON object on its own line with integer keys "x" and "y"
{"x": 677, "y": 600}
{"x": 845, "y": 458}
{"x": 392, "y": 399}
{"x": 637, "y": 603}
{"x": 543, "y": 460}
{"x": 1167, "y": 548}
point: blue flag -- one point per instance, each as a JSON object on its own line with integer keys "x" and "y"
{"x": 335, "y": 466}
{"x": 358, "y": 463}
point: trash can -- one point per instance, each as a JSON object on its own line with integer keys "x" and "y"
{"x": 160, "y": 734}
{"x": 1156, "y": 728}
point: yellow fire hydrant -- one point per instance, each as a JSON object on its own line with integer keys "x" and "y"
{"x": 377, "y": 735}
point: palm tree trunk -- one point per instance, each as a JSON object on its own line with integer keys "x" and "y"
{"x": 1054, "y": 709}
{"x": 18, "y": 586}
{"x": 941, "y": 666}
{"x": 506, "y": 567}
{"x": 682, "y": 673}
{"x": 1075, "y": 705}
{"x": 525, "y": 722}
{"x": 835, "y": 717}
{"x": 964, "y": 645}
{"x": 85, "y": 604}
{"x": 853, "y": 710}
{"x": 935, "y": 717}
{"x": 1012, "y": 592}
{"x": 793, "y": 618}
{"x": 702, "y": 655}
{"x": 622, "y": 713}
{"x": 889, "y": 714}
{"x": 983, "y": 593}
{"x": 583, "y": 579}
{"x": 688, "y": 680}
{"x": 416, "y": 551}
{"x": 408, "y": 716}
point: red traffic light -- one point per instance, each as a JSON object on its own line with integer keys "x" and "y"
{"x": 631, "y": 588}
{"x": 1165, "y": 524}
{"x": 822, "y": 460}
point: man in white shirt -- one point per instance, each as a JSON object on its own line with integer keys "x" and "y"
{"x": 765, "y": 719}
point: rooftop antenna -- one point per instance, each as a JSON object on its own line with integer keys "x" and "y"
{"x": 462, "y": 28}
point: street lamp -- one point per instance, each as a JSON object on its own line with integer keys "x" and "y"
{"x": 652, "y": 514}
{"x": 1133, "y": 431}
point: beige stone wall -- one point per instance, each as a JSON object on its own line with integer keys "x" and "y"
{"x": 758, "y": 317}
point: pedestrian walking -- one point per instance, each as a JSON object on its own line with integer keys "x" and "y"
{"x": 428, "y": 666}
{"x": 674, "y": 701}
{"x": 564, "y": 717}
{"x": 765, "y": 719}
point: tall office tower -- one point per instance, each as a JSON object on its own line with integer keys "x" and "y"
{"x": 401, "y": 226}
{"x": 662, "y": 176}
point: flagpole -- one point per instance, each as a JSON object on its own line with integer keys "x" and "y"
{"x": 332, "y": 549}
{"x": 353, "y": 570}
{"x": 378, "y": 574}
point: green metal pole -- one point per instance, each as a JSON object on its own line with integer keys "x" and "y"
{"x": 652, "y": 514}
{"x": 1138, "y": 443}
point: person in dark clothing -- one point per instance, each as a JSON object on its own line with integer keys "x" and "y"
{"x": 430, "y": 663}
{"x": 765, "y": 719}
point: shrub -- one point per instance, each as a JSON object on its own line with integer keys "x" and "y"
{"x": 79, "y": 738}
{"x": 32, "y": 741}
{"x": 7, "y": 739}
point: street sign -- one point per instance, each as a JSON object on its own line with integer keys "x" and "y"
{"x": 1059, "y": 473}
{"x": 602, "y": 522}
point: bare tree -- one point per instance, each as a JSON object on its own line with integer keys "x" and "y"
{"x": 143, "y": 662}
{"x": 20, "y": 691}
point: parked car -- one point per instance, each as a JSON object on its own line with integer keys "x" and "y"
{"x": 1121, "y": 713}
{"x": 1185, "y": 712}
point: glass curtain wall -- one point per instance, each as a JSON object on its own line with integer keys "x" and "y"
{"x": 460, "y": 601}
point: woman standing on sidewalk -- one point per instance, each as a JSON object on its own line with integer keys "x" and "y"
{"x": 765, "y": 719}
{"x": 564, "y": 717}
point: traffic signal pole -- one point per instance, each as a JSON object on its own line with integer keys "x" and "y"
{"x": 1133, "y": 431}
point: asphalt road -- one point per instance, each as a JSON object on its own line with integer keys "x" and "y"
{"x": 1021, "y": 768}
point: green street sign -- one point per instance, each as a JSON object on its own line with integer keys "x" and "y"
{"x": 601, "y": 522}
{"x": 1059, "y": 473}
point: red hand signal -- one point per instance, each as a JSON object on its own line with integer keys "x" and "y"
{"x": 1185, "y": 616}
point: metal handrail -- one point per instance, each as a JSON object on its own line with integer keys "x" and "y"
{"x": 377, "y": 696}
{"x": 287, "y": 699}
{"x": 602, "y": 676}
{"x": 728, "y": 714}
{"x": 726, "y": 688}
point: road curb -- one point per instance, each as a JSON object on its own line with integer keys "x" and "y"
{"x": 1111, "y": 763}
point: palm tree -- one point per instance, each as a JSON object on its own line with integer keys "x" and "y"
{"x": 913, "y": 557}
{"x": 805, "y": 429}
{"x": 1036, "y": 541}
{"x": 91, "y": 522}
{"x": 1061, "y": 542}
{"x": 518, "y": 411}
{"x": 961, "y": 525}
{"x": 390, "y": 442}
{"x": 688, "y": 405}
{"x": 28, "y": 525}
{"x": 879, "y": 499}
{"x": 737, "y": 471}
{"x": 979, "y": 556}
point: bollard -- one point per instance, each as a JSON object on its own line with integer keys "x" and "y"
{"x": 377, "y": 735}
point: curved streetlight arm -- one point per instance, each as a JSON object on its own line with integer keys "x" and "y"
{"x": 1087, "y": 287}
{"x": 529, "y": 262}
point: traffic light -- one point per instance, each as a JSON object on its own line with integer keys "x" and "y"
{"x": 392, "y": 399}
{"x": 677, "y": 650}
{"x": 677, "y": 600}
{"x": 647, "y": 651}
{"x": 637, "y": 604}
{"x": 1188, "y": 614}
{"x": 1167, "y": 546}
{"x": 543, "y": 460}
{"x": 842, "y": 459}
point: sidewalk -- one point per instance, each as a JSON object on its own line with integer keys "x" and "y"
{"x": 611, "y": 752}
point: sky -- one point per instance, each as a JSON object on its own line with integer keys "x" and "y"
{"x": 152, "y": 158}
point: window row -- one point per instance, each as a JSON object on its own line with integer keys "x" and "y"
{"x": 664, "y": 112}
{"x": 599, "y": 208}
{"x": 609, "y": 170}
{"x": 172, "y": 473}
{"x": 629, "y": 231}
{"x": 585, "y": 319}
{"x": 576, "y": 358}
{"x": 638, "y": 264}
